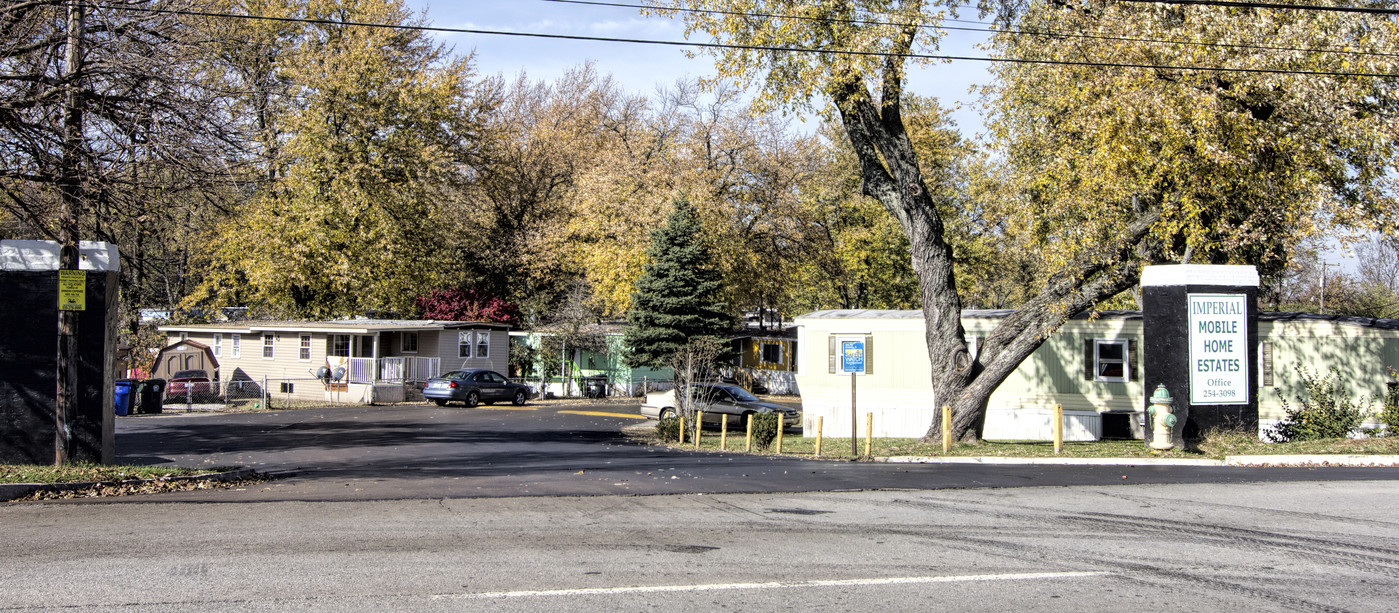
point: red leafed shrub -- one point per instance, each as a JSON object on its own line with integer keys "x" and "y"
{"x": 466, "y": 305}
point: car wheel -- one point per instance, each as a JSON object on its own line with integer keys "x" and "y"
{"x": 472, "y": 398}
{"x": 667, "y": 413}
{"x": 439, "y": 402}
{"x": 519, "y": 398}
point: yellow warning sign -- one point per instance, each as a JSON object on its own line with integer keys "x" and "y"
{"x": 72, "y": 290}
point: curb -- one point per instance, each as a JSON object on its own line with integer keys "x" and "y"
{"x": 1237, "y": 461}
{"x": 1052, "y": 461}
{"x": 12, "y": 491}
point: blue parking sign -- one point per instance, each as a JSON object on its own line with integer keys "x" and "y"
{"x": 852, "y": 357}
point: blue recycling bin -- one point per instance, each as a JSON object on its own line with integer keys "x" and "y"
{"x": 125, "y": 393}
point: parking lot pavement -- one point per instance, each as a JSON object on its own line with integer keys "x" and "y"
{"x": 423, "y": 452}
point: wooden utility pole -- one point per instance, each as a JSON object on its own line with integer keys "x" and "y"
{"x": 69, "y": 187}
{"x": 1324, "y": 266}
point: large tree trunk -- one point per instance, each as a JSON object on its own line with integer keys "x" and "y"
{"x": 890, "y": 174}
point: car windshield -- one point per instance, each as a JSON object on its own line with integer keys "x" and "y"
{"x": 741, "y": 394}
{"x": 457, "y": 374}
{"x": 189, "y": 374}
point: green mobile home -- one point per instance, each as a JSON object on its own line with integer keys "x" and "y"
{"x": 595, "y": 352}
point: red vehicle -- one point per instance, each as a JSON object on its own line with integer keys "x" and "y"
{"x": 186, "y": 382}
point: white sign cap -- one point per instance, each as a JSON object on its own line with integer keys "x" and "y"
{"x": 43, "y": 255}
{"x": 1200, "y": 274}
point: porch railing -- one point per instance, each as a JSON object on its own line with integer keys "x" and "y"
{"x": 393, "y": 369}
{"x": 362, "y": 370}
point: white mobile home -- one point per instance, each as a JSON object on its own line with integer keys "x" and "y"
{"x": 1091, "y": 366}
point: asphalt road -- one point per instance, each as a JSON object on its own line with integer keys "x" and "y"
{"x": 418, "y": 452}
{"x": 1320, "y": 546}
{"x": 426, "y": 509}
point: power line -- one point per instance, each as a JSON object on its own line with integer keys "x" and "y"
{"x": 1269, "y": 5}
{"x": 992, "y": 30}
{"x": 762, "y": 48}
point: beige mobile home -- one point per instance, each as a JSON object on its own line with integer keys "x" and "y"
{"x": 1091, "y": 366}
{"x": 366, "y": 360}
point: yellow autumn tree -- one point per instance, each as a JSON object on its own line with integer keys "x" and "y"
{"x": 1098, "y": 208}
{"x": 374, "y": 123}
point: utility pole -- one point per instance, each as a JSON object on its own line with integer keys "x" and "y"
{"x": 69, "y": 187}
{"x": 1324, "y": 266}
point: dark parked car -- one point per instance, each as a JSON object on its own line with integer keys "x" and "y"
{"x": 716, "y": 400}
{"x": 187, "y": 382}
{"x": 474, "y": 386}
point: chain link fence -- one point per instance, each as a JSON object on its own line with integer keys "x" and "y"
{"x": 157, "y": 396}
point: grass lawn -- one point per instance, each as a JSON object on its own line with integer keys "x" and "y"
{"x": 1214, "y": 446}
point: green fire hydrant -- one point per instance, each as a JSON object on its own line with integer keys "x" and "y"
{"x": 1163, "y": 420}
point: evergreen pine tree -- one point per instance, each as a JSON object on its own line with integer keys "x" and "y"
{"x": 679, "y": 295}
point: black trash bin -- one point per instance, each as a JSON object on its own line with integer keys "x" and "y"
{"x": 150, "y": 394}
{"x": 595, "y": 386}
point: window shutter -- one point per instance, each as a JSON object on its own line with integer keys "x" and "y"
{"x": 1266, "y": 349}
{"x": 832, "y": 354}
{"x": 1132, "y": 374}
{"x": 1087, "y": 359}
{"x": 869, "y": 354}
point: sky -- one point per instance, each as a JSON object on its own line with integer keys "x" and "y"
{"x": 642, "y": 68}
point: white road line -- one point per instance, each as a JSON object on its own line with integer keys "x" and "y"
{"x": 766, "y": 586}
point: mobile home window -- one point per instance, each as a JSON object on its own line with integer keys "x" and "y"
{"x": 1110, "y": 360}
{"x": 304, "y": 353}
{"x": 237, "y": 349}
{"x": 218, "y": 345}
{"x": 267, "y": 346}
{"x": 410, "y": 342}
{"x": 483, "y": 344}
{"x": 340, "y": 345}
{"x": 772, "y": 353}
{"x": 464, "y": 344}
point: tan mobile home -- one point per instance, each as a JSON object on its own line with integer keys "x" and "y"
{"x": 366, "y": 360}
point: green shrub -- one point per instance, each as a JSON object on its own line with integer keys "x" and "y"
{"x": 1327, "y": 411}
{"x": 668, "y": 428}
{"x": 1389, "y": 413}
{"x": 765, "y": 429}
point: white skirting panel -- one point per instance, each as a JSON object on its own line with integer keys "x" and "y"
{"x": 896, "y": 414}
{"x": 1035, "y": 424}
{"x": 777, "y": 381}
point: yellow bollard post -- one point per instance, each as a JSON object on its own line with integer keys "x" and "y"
{"x": 682, "y": 429}
{"x": 946, "y": 428}
{"x": 724, "y": 432}
{"x": 748, "y": 438}
{"x": 819, "y": 425}
{"x": 699, "y": 427}
{"x": 779, "y": 435}
{"x": 869, "y": 432}
{"x": 1058, "y": 428}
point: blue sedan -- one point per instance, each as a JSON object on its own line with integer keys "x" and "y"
{"x": 472, "y": 387}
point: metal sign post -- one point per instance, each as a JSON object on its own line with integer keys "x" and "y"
{"x": 853, "y": 452}
{"x": 853, "y": 355}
